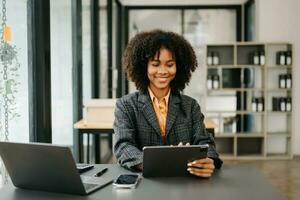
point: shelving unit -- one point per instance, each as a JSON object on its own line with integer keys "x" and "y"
{"x": 243, "y": 133}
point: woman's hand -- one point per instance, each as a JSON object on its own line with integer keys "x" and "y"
{"x": 139, "y": 167}
{"x": 203, "y": 167}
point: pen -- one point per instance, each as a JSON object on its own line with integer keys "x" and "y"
{"x": 98, "y": 174}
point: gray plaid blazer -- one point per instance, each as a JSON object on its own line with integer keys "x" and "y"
{"x": 136, "y": 126}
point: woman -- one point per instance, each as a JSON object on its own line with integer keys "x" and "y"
{"x": 160, "y": 64}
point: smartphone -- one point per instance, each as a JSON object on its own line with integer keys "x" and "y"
{"x": 126, "y": 181}
{"x": 82, "y": 167}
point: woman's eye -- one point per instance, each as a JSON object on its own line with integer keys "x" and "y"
{"x": 155, "y": 64}
{"x": 170, "y": 65}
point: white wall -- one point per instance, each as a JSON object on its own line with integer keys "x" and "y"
{"x": 61, "y": 72}
{"x": 277, "y": 20}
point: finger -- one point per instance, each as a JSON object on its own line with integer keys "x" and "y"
{"x": 203, "y": 161}
{"x": 202, "y": 166}
{"x": 187, "y": 144}
{"x": 200, "y": 174}
{"x": 180, "y": 144}
{"x": 197, "y": 170}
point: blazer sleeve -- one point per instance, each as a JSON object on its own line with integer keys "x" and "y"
{"x": 201, "y": 136}
{"x": 125, "y": 147}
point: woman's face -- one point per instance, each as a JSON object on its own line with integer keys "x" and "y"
{"x": 161, "y": 70}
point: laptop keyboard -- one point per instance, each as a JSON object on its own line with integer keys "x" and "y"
{"x": 88, "y": 186}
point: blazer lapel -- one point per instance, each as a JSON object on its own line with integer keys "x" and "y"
{"x": 148, "y": 111}
{"x": 172, "y": 111}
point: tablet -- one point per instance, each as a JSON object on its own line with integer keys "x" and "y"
{"x": 170, "y": 161}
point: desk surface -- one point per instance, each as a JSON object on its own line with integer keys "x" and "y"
{"x": 82, "y": 124}
{"x": 232, "y": 182}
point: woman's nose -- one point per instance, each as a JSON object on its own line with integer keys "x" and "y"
{"x": 162, "y": 70}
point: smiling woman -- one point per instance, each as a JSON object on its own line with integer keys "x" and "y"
{"x": 161, "y": 71}
{"x": 160, "y": 64}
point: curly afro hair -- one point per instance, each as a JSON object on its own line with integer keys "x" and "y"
{"x": 144, "y": 46}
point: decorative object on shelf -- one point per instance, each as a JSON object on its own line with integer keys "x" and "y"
{"x": 288, "y": 58}
{"x": 288, "y": 81}
{"x": 209, "y": 82}
{"x": 260, "y": 104}
{"x": 284, "y": 58}
{"x": 280, "y": 58}
{"x": 216, "y": 82}
{"x": 288, "y": 105}
{"x": 282, "y": 81}
{"x": 8, "y": 84}
{"x": 257, "y": 104}
{"x": 254, "y": 104}
{"x": 285, "y": 81}
{"x": 258, "y": 58}
{"x": 213, "y": 58}
{"x": 283, "y": 104}
{"x": 209, "y": 58}
{"x": 229, "y": 124}
{"x": 216, "y": 58}
{"x": 262, "y": 58}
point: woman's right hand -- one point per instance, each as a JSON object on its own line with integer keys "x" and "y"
{"x": 139, "y": 167}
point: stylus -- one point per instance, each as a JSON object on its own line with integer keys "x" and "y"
{"x": 98, "y": 174}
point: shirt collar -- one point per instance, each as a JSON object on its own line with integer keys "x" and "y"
{"x": 153, "y": 97}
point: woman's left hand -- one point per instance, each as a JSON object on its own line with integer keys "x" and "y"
{"x": 203, "y": 167}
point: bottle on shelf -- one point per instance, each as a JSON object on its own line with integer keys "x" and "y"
{"x": 216, "y": 58}
{"x": 254, "y": 104}
{"x": 280, "y": 58}
{"x": 216, "y": 82}
{"x": 288, "y": 104}
{"x": 209, "y": 82}
{"x": 288, "y": 58}
{"x": 282, "y": 81}
{"x": 256, "y": 58}
{"x": 262, "y": 59}
{"x": 282, "y": 103}
{"x": 260, "y": 104}
{"x": 210, "y": 58}
{"x": 288, "y": 81}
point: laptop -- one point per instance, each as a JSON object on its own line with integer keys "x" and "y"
{"x": 47, "y": 167}
{"x": 170, "y": 161}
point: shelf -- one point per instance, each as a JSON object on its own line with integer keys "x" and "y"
{"x": 251, "y": 157}
{"x": 235, "y": 89}
{"x": 225, "y": 156}
{"x": 236, "y": 112}
{"x": 225, "y": 53}
{"x": 279, "y": 112}
{"x": 225, "y": 145}
{"x": 250, "y": 135}
{"x": 279, "y": 90}
{"x": 234, "y": 66}
{"x": 250, "y": 146}
{"x": 279, "y": 156}
{"x": 280, "y": 67}
{"x": 279, "y": 133}
{"x": 224, "y": 135}
{"x": 241, "y": 82}
{"x": 220, "y": 66}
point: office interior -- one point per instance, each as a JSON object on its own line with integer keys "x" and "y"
{"x": 66, "y": 60}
